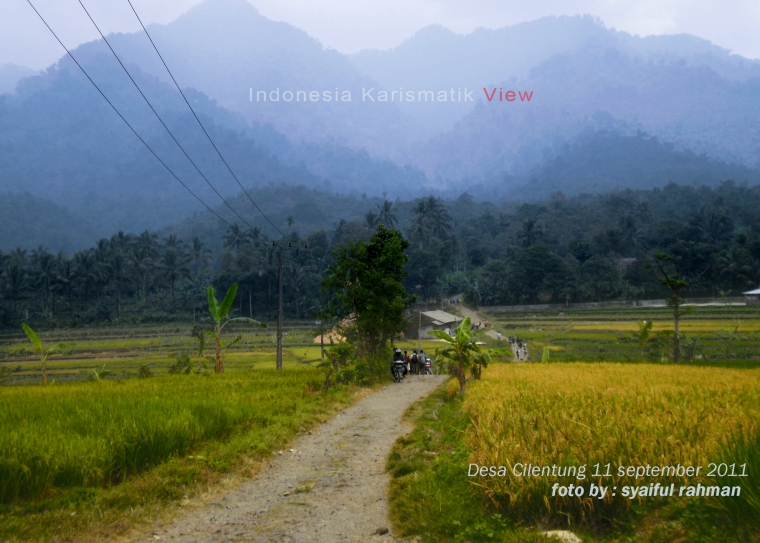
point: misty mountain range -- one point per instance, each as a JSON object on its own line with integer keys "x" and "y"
{"x": 608, "y": 110}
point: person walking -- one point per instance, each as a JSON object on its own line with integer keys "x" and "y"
{"x": 415, "y": 362}
{"x": 408, "y": 361}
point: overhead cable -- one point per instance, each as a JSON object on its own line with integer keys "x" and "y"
{"x": 122, "y": 117}
{"x": 159, "y": 117}
{"x": 199, "y": 121}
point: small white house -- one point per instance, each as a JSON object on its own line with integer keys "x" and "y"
{"x": 426, "y": 321}
{"x": 753, "y": 297}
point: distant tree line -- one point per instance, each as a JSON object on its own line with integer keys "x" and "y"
{"x": 584, "y": 248}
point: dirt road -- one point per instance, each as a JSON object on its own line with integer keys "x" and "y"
{"x": 330, "y": 487}
{"x": 475, "y": 317}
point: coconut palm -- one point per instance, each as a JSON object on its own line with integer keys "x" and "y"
{"x": 200, "y": 255}
{"x": 173, "y": 266}
{"x": 531, "y": 233}
{"x": 386, "y": 215}
{"x": 234, "y": 238}
{"x": 371, "y": 220}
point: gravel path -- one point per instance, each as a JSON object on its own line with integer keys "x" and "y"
{"x": 475, "y": 317}
{"x": 330, "y": 487}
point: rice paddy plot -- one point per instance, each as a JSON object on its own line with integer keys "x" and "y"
{"x": 709, "y": 335}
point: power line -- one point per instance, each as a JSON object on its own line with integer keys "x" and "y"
{"x": 122, "y": 117}
{"x": 159, "y": 117}
{"x": 199, "y": 121}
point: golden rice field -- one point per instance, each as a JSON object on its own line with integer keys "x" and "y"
{"x": 578, "y": 414}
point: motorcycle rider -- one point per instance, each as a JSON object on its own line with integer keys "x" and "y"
{"x": 423, "y": 361}
{"x": 398, "y": 358}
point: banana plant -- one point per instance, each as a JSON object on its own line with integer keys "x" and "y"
{"x": 40, "y": 349}
{"x": 220, "y": 314}
{"x": 462, "y": 353}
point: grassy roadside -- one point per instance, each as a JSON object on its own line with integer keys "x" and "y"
{"x": 431, "y": 495}
{"x": 204, "y": 432}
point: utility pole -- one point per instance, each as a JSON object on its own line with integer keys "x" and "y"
{"x": 322, "y": 339}
{"x": 279, "y": 318}
{"x": 279, "y": 304}
{"x": 419, "y": 332}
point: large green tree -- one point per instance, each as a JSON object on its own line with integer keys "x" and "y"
{"x": 366, "y": 287}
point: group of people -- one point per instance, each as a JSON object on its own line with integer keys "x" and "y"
{"x": 414, "y": 363}
{"x": 478, "y": 325}
{"x": 522, "y": 347}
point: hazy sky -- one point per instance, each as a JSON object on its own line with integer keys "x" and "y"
{"x": 352, "y": 25}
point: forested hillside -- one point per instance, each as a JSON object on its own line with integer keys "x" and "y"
{"x": 582, "y": 248}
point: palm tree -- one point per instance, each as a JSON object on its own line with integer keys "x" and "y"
{"x": 174, "y": 267}
{"x": 371, "y": 220}
{"x": 531, "y": 233}
{"x": 44, "y": 269}
{"x": 417, "y": 225}
{"x": 121, "y": 241}
{"x": 173, "y": 241}
{"x": 116, "y": 271}
{"x": 253, "y": 234}
{"x": 147, "y": 242}
{"x": 141, "y": 264}
{"x": 630, "y": 231}
{"x": 200, "y": 255}
{"x": 65, "y": 276}
{"x": 429, "y": 216}
{"x": 386, "y": 216}
{"x": 17, "y": 276}
{"x": 438, "y": 218}
{"x": 234, "y": 238}
{"x": 86, "y": 269}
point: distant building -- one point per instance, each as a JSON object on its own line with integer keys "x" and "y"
{"x": 430, "y": 320}
{"x": 753, "y": 297}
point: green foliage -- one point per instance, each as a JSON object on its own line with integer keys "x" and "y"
{"x": 545, "y": 354}
{"x": 40, "y": 349}
{"x": 645, "y": 327}
{"x": 344, "y": 365}
{"x": 462, "y": 354}
{"x": 97, "y": 374}
{"x": 366, "y": 286}
{"x": 181, "y": 364}
{"x": 220, "y": 314}
{"x": 144, "y": 371}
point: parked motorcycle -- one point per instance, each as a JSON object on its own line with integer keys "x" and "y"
{"x": 427, "y": 367}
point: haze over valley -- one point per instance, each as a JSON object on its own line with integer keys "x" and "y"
{"x": 607, "y": 111}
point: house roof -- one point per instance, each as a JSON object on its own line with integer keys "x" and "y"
{"x": 753, "y": 292}
{"x": 441, "y": 316}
